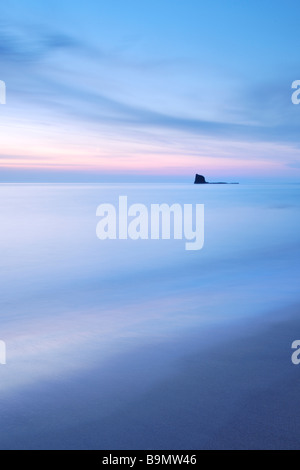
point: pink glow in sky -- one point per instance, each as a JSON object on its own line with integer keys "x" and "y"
{"x": 143, "y": 95}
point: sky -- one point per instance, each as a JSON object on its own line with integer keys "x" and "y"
{"x": 129, "y": 90}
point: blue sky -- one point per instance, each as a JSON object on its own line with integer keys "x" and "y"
{"x": 128, "y": 90}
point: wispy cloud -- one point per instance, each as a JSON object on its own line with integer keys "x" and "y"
{"x": 121, "y": 98}
{"x": 22, "y": 46}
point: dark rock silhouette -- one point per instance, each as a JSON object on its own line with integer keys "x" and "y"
{"x": 200, "y": 179}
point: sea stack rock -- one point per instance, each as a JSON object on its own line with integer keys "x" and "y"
{"x": 200, "y": 179}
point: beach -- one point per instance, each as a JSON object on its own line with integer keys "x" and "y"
{"x": 124, "y": 344}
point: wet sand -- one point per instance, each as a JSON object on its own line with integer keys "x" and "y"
{"x": 238, "y": 393}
